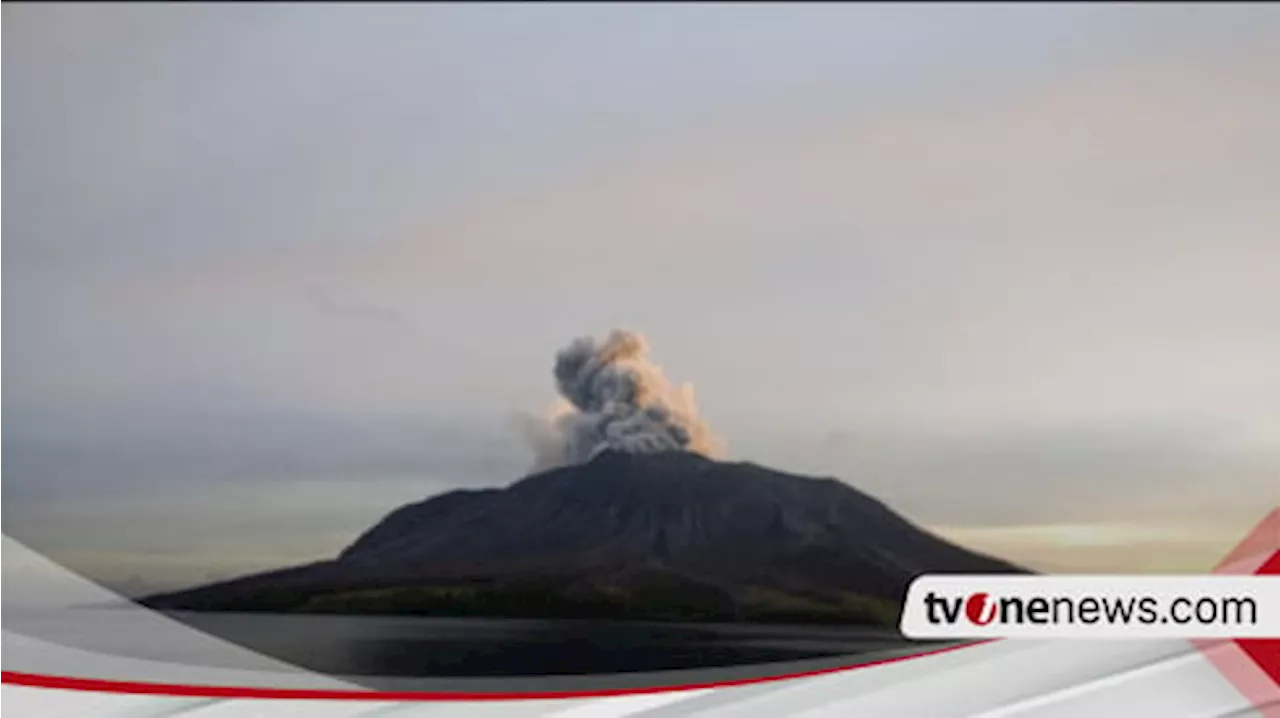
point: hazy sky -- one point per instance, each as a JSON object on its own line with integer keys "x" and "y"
{"x": 276, "y": 269}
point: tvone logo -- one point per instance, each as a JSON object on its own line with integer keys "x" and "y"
{"x": 980, "y": 609}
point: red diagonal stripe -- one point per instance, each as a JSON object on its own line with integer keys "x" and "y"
{"x": 1254, "y": 667}
{"x": 1266, "y": 651}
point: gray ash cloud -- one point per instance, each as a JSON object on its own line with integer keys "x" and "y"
{"x": 614, "y": 397}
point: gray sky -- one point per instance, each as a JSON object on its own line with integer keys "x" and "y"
{"x": 276, "y": 269}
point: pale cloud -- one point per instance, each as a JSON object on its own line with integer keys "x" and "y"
{"x": 1185, "y": 547}
{"x": 1091, "y": 143}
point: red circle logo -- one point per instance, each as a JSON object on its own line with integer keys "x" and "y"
{"x": 980, "y": 609}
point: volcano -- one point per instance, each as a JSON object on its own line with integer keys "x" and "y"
{"x": 670, "y": 535}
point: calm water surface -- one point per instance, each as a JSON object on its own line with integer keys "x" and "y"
{"x": 455, "y": 647}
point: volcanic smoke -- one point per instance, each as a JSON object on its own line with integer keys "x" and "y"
{"x": 616, "y": 398}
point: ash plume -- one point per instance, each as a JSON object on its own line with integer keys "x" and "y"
{"x": 616, "y": 398}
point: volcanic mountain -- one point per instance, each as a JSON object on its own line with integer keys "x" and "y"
{"x": 668, "y": 535}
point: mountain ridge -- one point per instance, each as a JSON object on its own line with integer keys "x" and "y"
{"x": 675, "y": 528}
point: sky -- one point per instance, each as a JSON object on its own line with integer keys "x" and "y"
{"x": 275, "y": 270}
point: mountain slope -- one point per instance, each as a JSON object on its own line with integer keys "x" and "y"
{"x": 675, "y": 528}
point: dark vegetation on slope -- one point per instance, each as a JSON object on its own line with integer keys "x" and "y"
{"x": 670, "y": 536}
